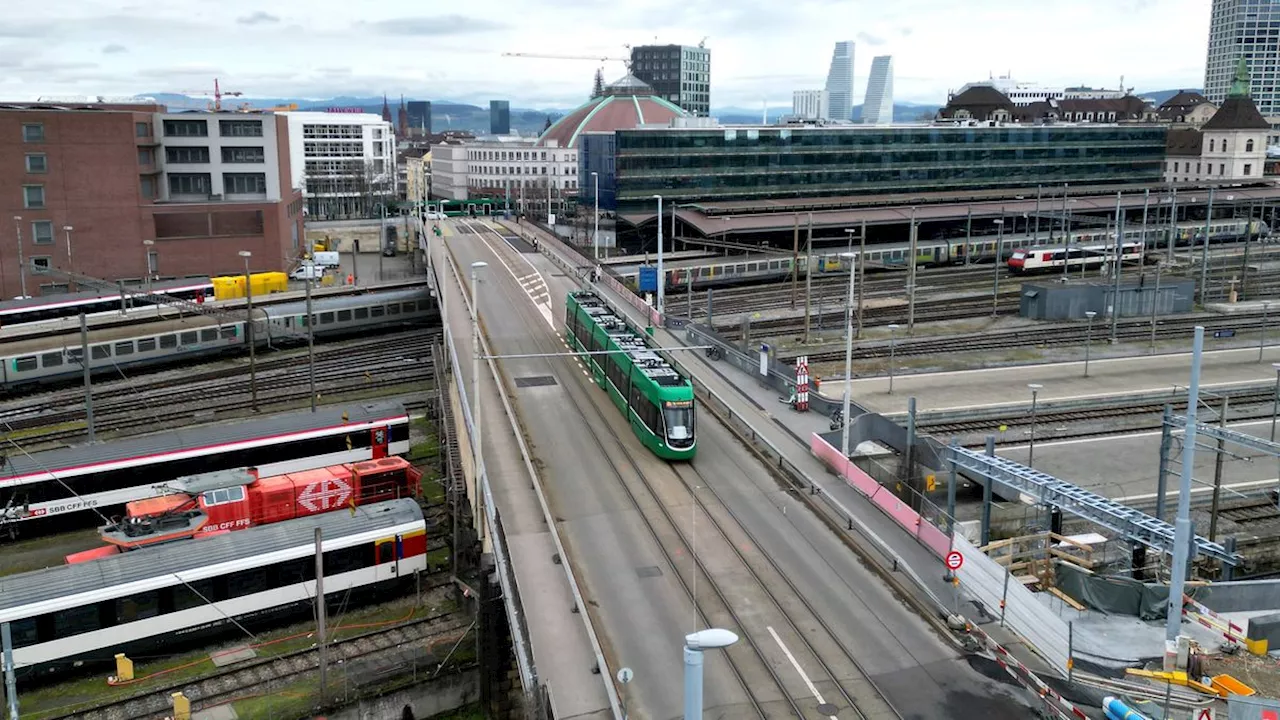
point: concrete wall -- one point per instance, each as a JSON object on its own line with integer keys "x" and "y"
{"x": 444, "y": 694}
{"x": 1053, "y": 300}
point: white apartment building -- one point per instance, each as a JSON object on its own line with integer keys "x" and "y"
{"x": 220, "y": 156}
{"x": 811, "y": 104}
{"x": 345, "y": 163}
{"x": 513, "y": 167}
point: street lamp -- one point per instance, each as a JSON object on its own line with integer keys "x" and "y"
{"x": 893, "y": 340}
{"x": 995, "y": 291}
{"x": 1088, "y": 342}
{"x": 1031, "y": 448}
{"x": 848, "y": 353}
{"x": 694, "y": 644}
{"x": 661, "y": 278}
{"x": 22, "y": 264}
{"x": 67, "y": 229}
{"x": 253, "y": 363}
{"x": 146, "y": 261}
{"x": 476, "y": 267}
{"x": 595, "y": 238}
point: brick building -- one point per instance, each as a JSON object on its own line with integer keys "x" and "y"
{"x": 83, "y": 185}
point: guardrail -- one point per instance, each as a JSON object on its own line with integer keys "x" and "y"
{"x": 548, "y": 518}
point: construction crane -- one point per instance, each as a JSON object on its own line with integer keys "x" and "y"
{"x": 218, "y": 94}
{"x": 547, "y": 56}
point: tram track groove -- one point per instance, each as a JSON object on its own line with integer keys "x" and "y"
{"x": 717, "y": 567}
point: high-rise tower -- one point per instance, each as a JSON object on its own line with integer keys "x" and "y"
{"x": 1236, "y": 30}
{"x": 679, "y": 74}
{"x": 840, "y": 82}
{"x": 877, "y": 107}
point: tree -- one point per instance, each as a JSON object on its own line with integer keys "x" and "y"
{"x": 597, "y": 88}
{"x": 548, "y": 125}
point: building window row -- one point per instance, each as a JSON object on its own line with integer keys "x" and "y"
{"x": 240, "y": 128}
{"x": 232, "y": 183}
{"x": 335, "y": 132}
{"x": 37, "y": 163}
{"x": 32, "y": 132}
{"x": 42, "y": 232}
{"x": 244, "y": 183}
{"x": 333, "y": 149}
{"x": 182, "y": 154}
{"x": 243, "y": 155}
{"x": 200, "y": 128}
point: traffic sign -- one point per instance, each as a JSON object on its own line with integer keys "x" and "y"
{"x": 1204, "y": 714}
{"x": 625, "y": 675}
{"x": 954, "y": 560}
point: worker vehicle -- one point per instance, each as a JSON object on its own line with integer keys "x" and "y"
{"x": 166, "y": 599}
{"x": 240, "y": 499}
{"x": 51, "y": 490}
{"x": 327, "y": 259}
{"x": 58, "y": 358}
{"x": 655, "y": 398}
{"x": 309, "y": 271}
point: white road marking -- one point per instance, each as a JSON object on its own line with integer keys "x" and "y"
{"x": 796, "y": 665}
{"x": 1246, "y": 485}
{"x": 544, "y": 308}
{"x": 1127, "y": 436}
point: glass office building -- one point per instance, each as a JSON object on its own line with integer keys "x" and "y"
{"x": 746, "y": 163}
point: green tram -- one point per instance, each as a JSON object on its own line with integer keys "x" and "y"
{"x": 657, "y": 400}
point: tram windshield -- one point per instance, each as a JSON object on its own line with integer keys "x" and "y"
{"x": 679, "y": 419}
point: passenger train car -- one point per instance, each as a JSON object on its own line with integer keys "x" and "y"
{"x": 58, "y": 358}
{"x": 656, "y": 399}
{"x": 41, "y": 491}
{"x": 704, "y": 272}
{"x": 50, "y": 307}
{"x": 1047, "y": 258}
{"x": 164, "y": 599}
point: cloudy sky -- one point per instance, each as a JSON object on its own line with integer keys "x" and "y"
{"x": 761, "y": 49}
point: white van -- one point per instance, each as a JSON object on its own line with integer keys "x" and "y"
{"x": 327, "y": 259}
{"x": 308, "y": 272}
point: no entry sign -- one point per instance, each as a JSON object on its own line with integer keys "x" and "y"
{"x": 955, "y": 560}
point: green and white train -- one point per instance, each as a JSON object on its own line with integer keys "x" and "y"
{"x": 655, "y": 398}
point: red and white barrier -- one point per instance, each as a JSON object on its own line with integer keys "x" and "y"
{"x": 1053, "y": 702}
{"x": 802, "y": 383}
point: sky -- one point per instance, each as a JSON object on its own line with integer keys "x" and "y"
{"x": 761, "y": 50}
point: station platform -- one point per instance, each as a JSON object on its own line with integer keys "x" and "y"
{"x": 994, "y": 387}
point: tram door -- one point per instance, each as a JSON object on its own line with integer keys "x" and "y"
{"x": 389, "y": 553}
{"x": 378, "y": 442}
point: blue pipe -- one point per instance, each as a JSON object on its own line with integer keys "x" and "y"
{"x": 1117, "y": 710}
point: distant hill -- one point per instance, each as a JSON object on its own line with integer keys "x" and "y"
{"x": 1159, "y": 96}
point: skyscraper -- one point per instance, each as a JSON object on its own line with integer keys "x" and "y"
{"x": 419, "y": 118}
{"x": 1237, "y": 28}
{"x": 679, "y": 74}
{"x": 877, "y": 107}
{"x": 810, "y": 104}
{"x": 499, "y": 117}
{"x": 840, "y": 82}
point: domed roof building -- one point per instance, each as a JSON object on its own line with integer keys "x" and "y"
{"x": 625, "y": 104}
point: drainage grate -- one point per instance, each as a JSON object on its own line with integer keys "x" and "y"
{"x": 535, "y": 381}
{"x": 649, "y": 571}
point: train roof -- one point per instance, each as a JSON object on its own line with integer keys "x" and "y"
{"x": 653, "y": 365}
{"x": 210, "y": 438}
{"x": 183, "y": 559}
{"x": 69, "y": 299}
{"x": 348, "y": 301}
{"x": 71, "y": 338}
{"x": 1102, "y": 245}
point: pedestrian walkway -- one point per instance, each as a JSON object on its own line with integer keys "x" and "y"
{"x": 994, "y": 387}
{"x": 562, "y": 651}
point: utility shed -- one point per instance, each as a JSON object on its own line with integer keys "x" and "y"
{"x": 1056, "y": 300}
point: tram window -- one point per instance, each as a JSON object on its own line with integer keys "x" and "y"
{"x": 326, "y": 318}
{"x": 192, "y": 594}
{"x": 74, "y": 355}
{"x": 362, "y": 313}
{"x": 408, "y": 307}
{"x": 25, "y": 364}
{"x": 99, "y": 352}
{"x": 344, "y": 316}
{"x": 189, "y": 338}
{"x": 146, "y": 345}
{"x": 208, "y": 334}
{"x": 386, "y": 552}
{"x": 393, "y": 309}
{"x": 124, "y": 348}
{"x": 376, "y": 311}
{"x": 168, "y": 342}
{"x": 76, "y": 620}
{"x": 227, "y": 331}
{"x": 53, "y": 359}
{"x": 138, "y": 606}
{"x": 24, "y": 632}
{"x": 344, "y": 560}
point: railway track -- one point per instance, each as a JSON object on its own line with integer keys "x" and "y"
{"x": 399, "y": 359}
{"x": 729, "y": 587}
{"x": 926, "y": 310}
{"x": 238, "y": 680}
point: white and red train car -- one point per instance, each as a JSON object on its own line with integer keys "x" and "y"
{"x": 227, "y": 505}
{"x": 1046, "y": 258}
{"x": 56, "y": 489}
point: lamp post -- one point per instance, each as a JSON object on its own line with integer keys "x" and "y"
{"x": 848, "y": 353}
{"x": 476, "y": 267}
{"x": 595, "y": 237}
{"x": 995, "y": 291}
{"x": 661, "y": 278}
{"x": 1088, "y": 339}
{"x": 22, "y": 264}
{"x": 253, "y": 363}
{"x": 67, "y": 229}
{"x": 146, "y": 261}
{"x": 311, "y": 332}
{"x": 694, "y": 644}
{"x": 1031, "y": 447}
{"x": 893, "y": 341}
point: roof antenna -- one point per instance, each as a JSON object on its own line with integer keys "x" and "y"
{"x": 764, "y": 111}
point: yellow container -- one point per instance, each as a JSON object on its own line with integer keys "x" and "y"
{"x": 267, "y": 283}
{"x": 228, "y": 288}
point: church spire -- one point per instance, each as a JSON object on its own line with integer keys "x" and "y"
{"x": 1240, "y": 84}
